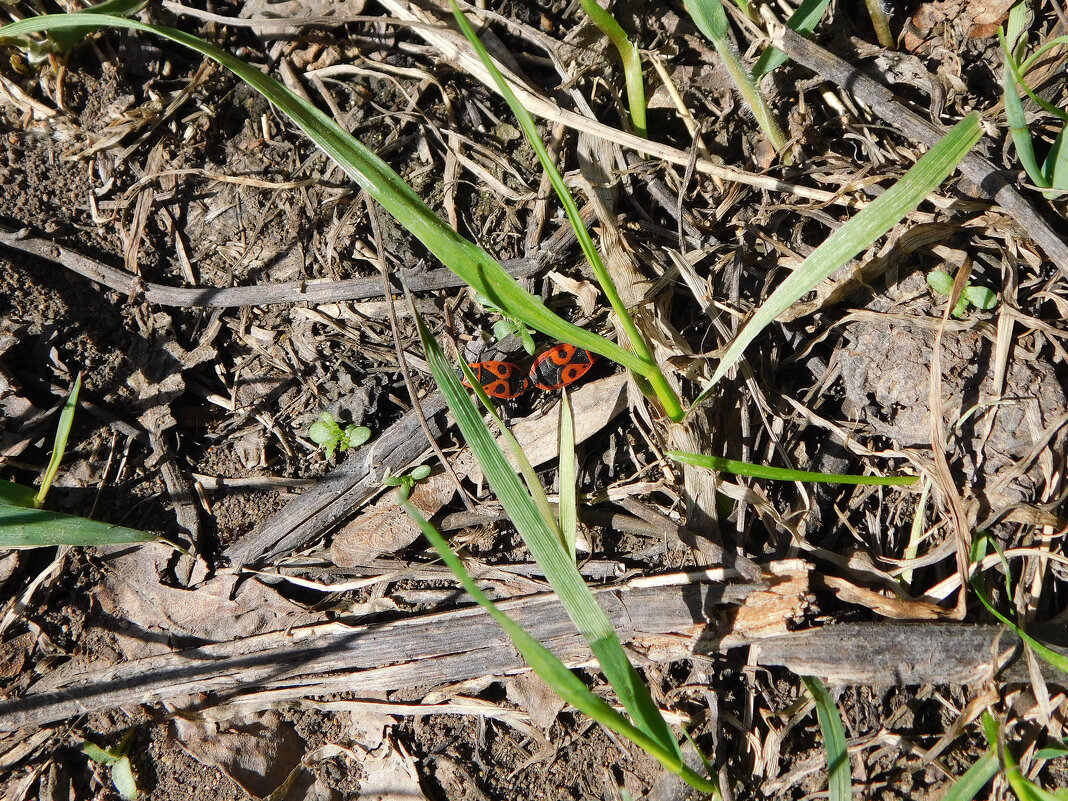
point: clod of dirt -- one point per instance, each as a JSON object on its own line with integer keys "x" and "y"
{"x": 886, "y": 370}
{"x": 976, "y": 19}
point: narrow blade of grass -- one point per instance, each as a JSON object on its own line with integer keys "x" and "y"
{"x": 803, "y": 21}
{"x": 120, "y": 8}
{"x": 632, "y": 62}
{"x": 549, "y": 553}
{"x": 66, "y": 420}
{"x": 1024, "y": 788}
{"x": 974, "y": 779}
{"x": 860, "y": 232}
{"x": 711, "y": 19}
{"x": 526, "y": 469}
{"x": 650, "y": 370}
{"x": 470, "y": 262}
{"x": 1057, "y": 660}
{"x": 1016, "y": 119}
{"x": 568, "y": 476}
{"x": 722, "y": 465}
{"x": 551, "y": 670}
{"x": 880, "y": 23}
{"x": 22, "y": 527}
{"x": 1055, "y": 167}
{"x": 839, "y": 772}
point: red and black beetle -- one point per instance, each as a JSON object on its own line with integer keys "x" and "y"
{"x": 560, "y": 365}
{"x": 499, "y": 379}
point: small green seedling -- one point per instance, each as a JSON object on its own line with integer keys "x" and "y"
{"x": 978, "y": 296}
{"x": 507, "y": 325}
{"x": 407, "y": 482}
{"x": 329, "y": 436}
{"x": 117, "y": 763}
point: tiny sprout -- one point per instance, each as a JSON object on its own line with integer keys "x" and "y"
{"x": 329, "y": 436}
{"x": 118, "y": 763}
{"x": 978, "y": 296}
{"x": 407, "y": 482}
{"x": 508, "y": 325}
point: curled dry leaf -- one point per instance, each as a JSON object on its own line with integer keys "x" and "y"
{"x": 154, "y": 612}
{"x": 259, "y": 751}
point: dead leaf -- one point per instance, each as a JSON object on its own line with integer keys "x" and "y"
{"x": 585, "y": 292}
{"x": 976, "y": 19}
{"x": 885, "y": 605}
{"x": 595, "y": 404}
{"x": 151, "y": 613}
{"x": 532, "y": 694}
{"x": 390, "y": 776}
{"x": 259, "y": 752}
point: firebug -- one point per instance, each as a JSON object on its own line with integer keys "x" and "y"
{"x": 560, "y": 365}
{"x": 499, "y": 379}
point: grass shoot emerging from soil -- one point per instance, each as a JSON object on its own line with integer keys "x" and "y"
{"x": 1052, "y": 174}
{"x": 24, "y": 524}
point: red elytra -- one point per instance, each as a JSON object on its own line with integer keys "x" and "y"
{"x": 499, "y": 379}
{"x": 560, "y": 365}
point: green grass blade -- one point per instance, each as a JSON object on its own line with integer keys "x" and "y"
{"x": 470, "y": 262}
{"x": 1045, "y": 105}
{"x": 1017, "y": 122}
{"x": 711, "y": 20}
{"x": 649, "y": 368}
{"x": 880, "y": 23}
{"x": 526, "y": 469}
{"x": 722, "y": 465}
{"x": 803, "y": 21}
{"x": 65, "y": 40}
{"x": 1024, "y": 788}
{"x": 541, "y": 538}
{"x": 1031, "y": 60}
{"x": 1057, "y": 660}
{"x": 568, "y": 476}
{"x": 974, "y": 779}
{"x": 551, "y": 670}
{"x": 1053, "y": 750}
{"x": 1055, "y": 166}
{"x": 1015, "y": 27}
{"x": 709, "y": 17}
{"x": 22, "y": 527}
{"x": 66, "y": 420}
{"x": 17, "y": 495}
{"x": 839, "y": 772}
{"x": 860, "y": 232}
{"x": 631, "y": 58}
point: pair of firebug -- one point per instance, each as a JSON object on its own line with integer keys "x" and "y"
{"x": 560, "y": 365}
